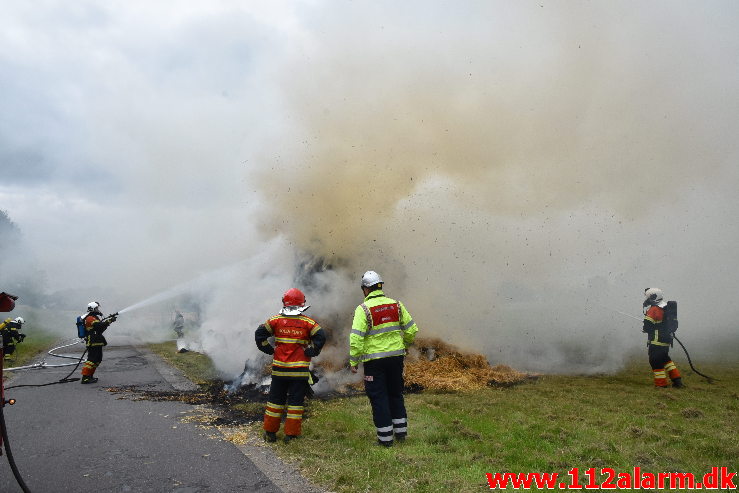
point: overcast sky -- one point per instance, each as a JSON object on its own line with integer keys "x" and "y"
{"x": 503, "y": 163}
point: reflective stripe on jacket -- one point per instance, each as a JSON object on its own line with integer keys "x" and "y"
{"x": 292, "y": 335}
{"x": 381, "y": 328}
{"x": 657, "y": 333}
{"x": 94, "y": 329}
{"x": 10, "y": 333}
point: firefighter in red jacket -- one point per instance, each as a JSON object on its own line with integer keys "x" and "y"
{"x": 659, "y": 340}
{"x": 298, "y": 338}
{"x": 94, "y": 339}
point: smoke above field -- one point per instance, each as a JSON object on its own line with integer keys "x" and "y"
{"x": 517, "y": 173}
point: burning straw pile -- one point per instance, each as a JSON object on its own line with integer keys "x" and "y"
{"x": 440, "y": 366}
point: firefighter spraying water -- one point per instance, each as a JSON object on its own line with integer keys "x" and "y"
{"x": 94, "y": 326}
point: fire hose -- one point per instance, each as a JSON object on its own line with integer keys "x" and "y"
{"x": 43, "y": 364}
{"x": 9, "y": 453}
{"x": 3, "y": 428}
{"x": 709, "y": 379}
{"x": 4, "y": 432}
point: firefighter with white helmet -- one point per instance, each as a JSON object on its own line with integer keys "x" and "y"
{"x": 382, "y": 330}
{"x": 659, "y": 336}
{"x": 95, "y": 325}
{"x": 11, "y": 335}
{"x": 298, "y": 338}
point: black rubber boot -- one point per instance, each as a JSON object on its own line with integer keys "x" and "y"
{"x": 289, "y": 438}
{"x": 270, "y": 436}
{"x": 678, "y": 383}
{"x": 88, "y": 380}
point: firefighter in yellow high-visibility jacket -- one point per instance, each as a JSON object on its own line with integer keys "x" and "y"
{"x": 11, "y": 335}
{"x": 382, "y": 330}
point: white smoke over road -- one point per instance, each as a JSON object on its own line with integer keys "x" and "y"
{"x": 513, "y": 171}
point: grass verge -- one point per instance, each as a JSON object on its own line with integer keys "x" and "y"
{"x": 550, "y": 425}
{"x": 196, "y": 366}
{"x": 36, "y": 343}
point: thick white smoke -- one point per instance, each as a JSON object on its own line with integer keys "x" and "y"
{"x": 514, "y": 171}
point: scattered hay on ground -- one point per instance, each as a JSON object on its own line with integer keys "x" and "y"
{"x": 439, "y": 366}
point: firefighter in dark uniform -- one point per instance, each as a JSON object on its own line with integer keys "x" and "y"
{"x": 11, "y": 335}
{"x": 382, "y": 330}
{"x": 94, "y": 340}
{"x": 298, "y": 338}
{"x": 659, "y": 338}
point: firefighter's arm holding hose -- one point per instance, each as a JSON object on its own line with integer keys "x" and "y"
{"x": 97, "y": 327}
{"x": 100, "y": 326}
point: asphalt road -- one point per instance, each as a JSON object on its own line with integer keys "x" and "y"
{"x": 83, "y": 438}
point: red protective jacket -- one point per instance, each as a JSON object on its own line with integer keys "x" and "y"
{"x": 293, "y": 335}
{"x": 654, "y": 326}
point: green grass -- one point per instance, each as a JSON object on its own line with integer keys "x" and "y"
{"x": 35, "y": 343}
{"x": 550, "y": 425}
{"x": 197, "y": 367}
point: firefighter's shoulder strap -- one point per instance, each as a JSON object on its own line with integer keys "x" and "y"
{"x": 670, "y": 317}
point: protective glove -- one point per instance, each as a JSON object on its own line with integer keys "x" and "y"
{"x": 267, "y": 349}
{"x": 22, "y": 336}
{"x": 311, "y": 351}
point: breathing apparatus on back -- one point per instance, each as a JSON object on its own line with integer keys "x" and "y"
{"x": 655, "y": 297}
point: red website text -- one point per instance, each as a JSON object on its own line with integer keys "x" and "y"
{"x": 718, "y": 478}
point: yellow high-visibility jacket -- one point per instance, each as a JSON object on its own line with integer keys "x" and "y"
{"x": 382, "y": 327}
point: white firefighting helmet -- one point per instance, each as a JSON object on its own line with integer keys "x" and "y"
{"x": 370, "y": 278}
{"x": 19, "y": 320}
{"x": 654, "y": 296}
{"x": 93, "y": 306}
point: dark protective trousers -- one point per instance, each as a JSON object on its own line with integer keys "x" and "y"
{"x": 286, "y": 396}
{"x": 662, "y": 365}
{"x": 383, "y": 383}
{"x": 94, "y": 357}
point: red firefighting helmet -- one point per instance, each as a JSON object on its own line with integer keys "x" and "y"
{"x": 293, "y": 297}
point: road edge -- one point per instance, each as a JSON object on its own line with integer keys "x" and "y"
{"x": 283, "y": 475}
